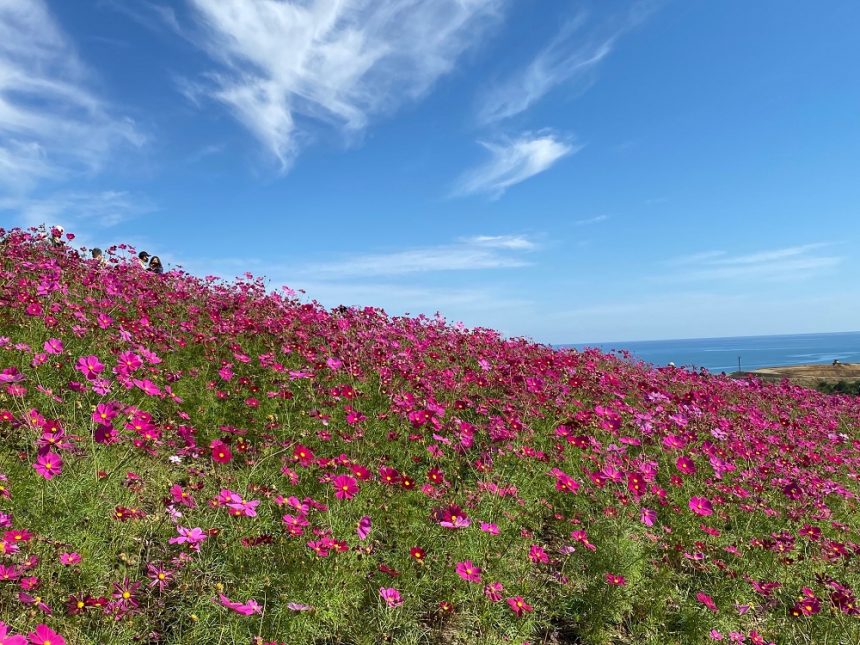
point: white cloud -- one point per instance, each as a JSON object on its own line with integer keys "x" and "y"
{"x": 52, "y": 125}
{"x": 77, "y": 210}
{"x": 517, "y": 242}
{"x": 412, "y": 298}
{"x": 785, "y": 264}
{"x": 286, "y": 65}
{"x": 703, "y": 314}
{"x": 591, "y": 220}
{"x": 570, "y": 57}
{"x": 469, "y": 254}
{"x": 513, "y": 161}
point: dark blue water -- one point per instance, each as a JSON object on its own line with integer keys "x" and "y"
{"x": 721, "y": 354}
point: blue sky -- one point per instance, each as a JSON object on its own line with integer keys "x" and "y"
{"x": 567, "y": 171}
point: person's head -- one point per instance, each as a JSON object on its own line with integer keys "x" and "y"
{"x": 96, "y": 253}
{"x": 143, "y": 256}
{"x": 155, "y": 261}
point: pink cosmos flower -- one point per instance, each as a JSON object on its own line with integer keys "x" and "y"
{"x": 44, "y": 635}
{"x": 149, "y": 388}
{"x": 345, "y": 487}
{"x": 615, "y": 579}
{"x": 706, "y": 600}
{"x": 564, "y": 482}
{"x": 160, "y": 577}
{"x": 363, "y": 528}
{"x": 701, "y": 506}
{"x": 581, "y": 536}
{"x": 537, "y": 554}
{"x": 128, "y": 362}
{"x": 248, "y": 509}
{"x": 391, "y": 596}
{"x": 53, "y": 346}
{"x": 193, "y": 537}
{"x": 295, "y": 524}
{"x": 9, "y": 639}
{"x": 468, "y": 571}
{"x": 493, "y": 591}
{"x": 488, "y": 527}
{"x": 221, "y": 453}
{"x": 519, "y": 606}
{"x": 11, "y": 375}
{"x": 89, "y": 366}
{"x": 453, "y": 517}
{"x": 648, "y": 517}
{"x": 299, "y": 606}
{"x": 685, "y": 465}
{"x": 245, "y": 608}
{"x": 48, "y": 465}
{"x": 69, "y": 559}
{"x": 181, "y": 496}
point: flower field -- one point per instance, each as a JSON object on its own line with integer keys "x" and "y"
{"x": 184, "y": 460}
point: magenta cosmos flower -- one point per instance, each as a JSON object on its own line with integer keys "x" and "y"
{"x": 519, "y": 606}
{"x": 391, "y": 596}
{"x": 89, "y": 366}
{"x": 221, "y": 453}
{"x": 469, "y": 571}
{"x": 193, "y": 537}
{"x": 9, "y": 639}
{"x": 648, "y": 517}
{"x": 44, "y": 635}
{"x": 53, "y": 346}
{"x": 701, "y": 506}
{"x": 363, "y": 528}
{"x": 245, "y": 608}
{"x": 69, "y": 559}
{"x": 706, "y": 600}
{"x": 345, "y": 487}
{"x": 48, "y": 465}
{"x": 453, "y": 517}
{"x": 493, "y": 591}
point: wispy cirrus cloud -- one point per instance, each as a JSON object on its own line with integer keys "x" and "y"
{"x": 787, "y": 263}
{"x": 286, "y": 67}
{"x": 591, "y": 220}
{"x": 571, "y": 57}
{"x": 467, "y": 254}
{"x": 77, "y": 210}
{"x": 513, "y": 161}
{"x": 52, "y": 124}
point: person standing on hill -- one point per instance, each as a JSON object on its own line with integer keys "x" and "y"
{"x": 155, "y": 265}
{"x": 98, "y": 256}
{"x": 56, "y": 238}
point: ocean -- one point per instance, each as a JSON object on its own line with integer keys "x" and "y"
{"x": 721, "y": 354}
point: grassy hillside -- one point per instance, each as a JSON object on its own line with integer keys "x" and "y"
{"x": 189, "y": 461}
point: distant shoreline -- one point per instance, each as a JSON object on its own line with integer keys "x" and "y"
{"x": 807, "y": 373}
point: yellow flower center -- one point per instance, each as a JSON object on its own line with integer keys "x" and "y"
{"x": 126, "y": 595}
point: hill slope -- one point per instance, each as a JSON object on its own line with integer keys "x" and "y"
{"x": 188, "y": 461}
